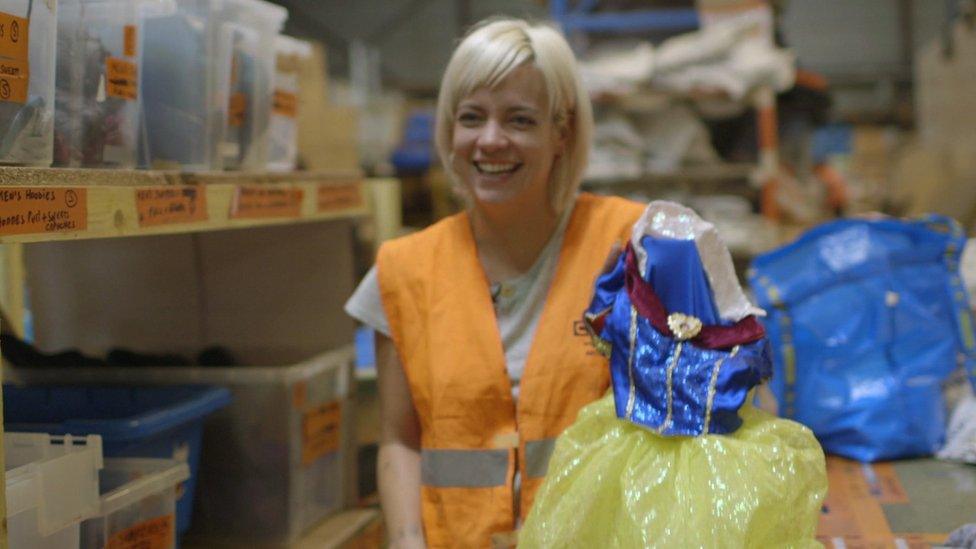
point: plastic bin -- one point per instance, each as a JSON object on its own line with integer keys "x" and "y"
{"x": 97, "y": 103}
{"x": 290, "y": 53}
{"x": 246, "y": 51}
{"x": 183, "y": 117}
{"x": 275, "y": 460}
{"x": 51, "y": 486}
{"x": 27, "y": 81}
{"x": 160, "y": 422}
{"x": 138, "y": 504}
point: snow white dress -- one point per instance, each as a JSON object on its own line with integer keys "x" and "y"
{"x": 676, "y": 455}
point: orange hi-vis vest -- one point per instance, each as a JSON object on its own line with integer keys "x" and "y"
{"x": 443, "y": 324}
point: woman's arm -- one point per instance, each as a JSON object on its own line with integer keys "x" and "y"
{"x": 398, "y": 466}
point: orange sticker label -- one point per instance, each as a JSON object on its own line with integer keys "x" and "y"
{"x": 157, "y": 533}
{"x": 285, "y": 104}
{"x": 320, "y": 431}
{"x": 299, "y": 395}
{"x": 339, "y": 197}
{"x": 129, "y": 40}
{"x": 255, "y": 201}
{"x": 14, "y": 80}
{"x": 31, "y": 210}
{"x": 171, "y": 205}
{"x": 237, "y": 110}
{"x": 14, "y": 37}
{"x": 122, "y": 78}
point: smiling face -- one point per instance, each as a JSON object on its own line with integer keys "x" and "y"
{"x": 505, "y": 140}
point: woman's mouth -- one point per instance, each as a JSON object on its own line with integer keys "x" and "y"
{"x": 496, "y": 168}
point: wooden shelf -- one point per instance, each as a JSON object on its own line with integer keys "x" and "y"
{"x": 45, "y": 204}
{"x": 348, "y": 529}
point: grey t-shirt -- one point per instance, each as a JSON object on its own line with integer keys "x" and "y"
{"x": 518, "y": 304}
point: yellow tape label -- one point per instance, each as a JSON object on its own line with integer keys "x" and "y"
{"x": 157, "y": 533}
{"x": 171, "y": 205}
{"x": 333, "y": 198}
{"x": 256, "y": 202}
{"x": 14, "y": 37}
{"x": 129, "y": 40}
{"x": 320, "y": 431}
{"x": 237, "y": 110}
{"x": 14, "y": 80}
{"x": 122, "y": 79}
{"x": 35, "y": 210}
{"x": 285, "y": 104}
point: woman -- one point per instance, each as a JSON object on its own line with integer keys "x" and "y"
{"x": 481, "y": 353}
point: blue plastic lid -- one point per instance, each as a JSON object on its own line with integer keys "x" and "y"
{"x": 116, "y": 413}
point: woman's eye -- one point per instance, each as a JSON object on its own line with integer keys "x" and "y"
{"x": 523, "y": 121}
{"x": 468, "y": 118}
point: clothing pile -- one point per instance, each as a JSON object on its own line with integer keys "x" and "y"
{"x": 723, "y": 57}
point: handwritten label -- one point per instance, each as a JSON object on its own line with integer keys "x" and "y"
{"x": 14, "y": 37}
{"x": 339, "y": 197}
{"x": 171, "y": 205}
{"x": 157, "y": 533}
{"x": 254, "y": 202}
{"x": 285, "y": 104}
{"x": 122, "y": 79}
{"x": 237, "y": 110}
{"x": 30, "y": 210}
{"x": 129, "y": 40}
{"x": 14, "y": 80}
{"x": 320, "y": 431}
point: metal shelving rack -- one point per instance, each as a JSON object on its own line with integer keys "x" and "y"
{"x": 582, "y": 17}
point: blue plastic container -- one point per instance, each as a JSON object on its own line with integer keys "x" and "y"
{"x": 159, "y": 422}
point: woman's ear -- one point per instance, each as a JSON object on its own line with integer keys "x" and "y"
{"x": 563, "y": 134}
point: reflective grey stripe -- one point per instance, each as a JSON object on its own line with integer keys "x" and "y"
{"x": 537, "y": 453}
{"x": 463, "y": 468}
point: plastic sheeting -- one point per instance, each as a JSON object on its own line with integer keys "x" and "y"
{"x": 867, "y": 318}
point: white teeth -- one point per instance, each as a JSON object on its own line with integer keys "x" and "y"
{"x": 495, "y": 168}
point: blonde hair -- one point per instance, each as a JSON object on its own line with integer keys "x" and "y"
{"x": 486, "y": 56}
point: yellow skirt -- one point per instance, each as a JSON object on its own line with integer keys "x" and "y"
{"x": 614, "y": 484}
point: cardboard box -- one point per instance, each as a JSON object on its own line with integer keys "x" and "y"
{"x": 327, "y": 134}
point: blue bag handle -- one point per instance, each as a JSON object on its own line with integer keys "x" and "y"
{"x": 958, "y": 296}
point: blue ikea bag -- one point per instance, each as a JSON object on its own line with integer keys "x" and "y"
{"x": 867, "y": 318}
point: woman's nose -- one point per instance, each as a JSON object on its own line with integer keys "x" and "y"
{"x": 492, "y": 136}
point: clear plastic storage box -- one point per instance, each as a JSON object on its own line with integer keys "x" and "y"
{"x": 275, "y": 459}
{"x": 51, "y": 486}
{"x": 97, "y": 100}
{"x": 157, "y": 422}
{"x": 247, "y": 50}
{"x": 27, "y": 53}
{"x": 290, "y": 54}
{"x": 183, "y": 119}
{"x": 138, "y": 504}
